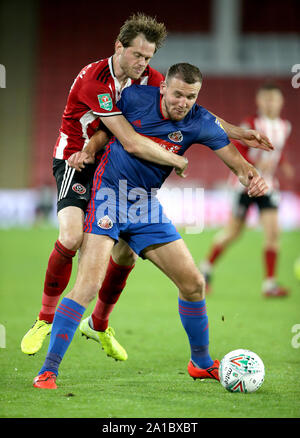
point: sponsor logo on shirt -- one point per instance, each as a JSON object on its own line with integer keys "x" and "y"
{"x": 105, "y": 223}
{"x": 105, "y": 101}
{"x": 176, "y": 136}
{"x": 79, "y": 189}
{"x": 165, "y": 144}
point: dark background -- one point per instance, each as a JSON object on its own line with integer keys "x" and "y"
{"x": 44, "y": 44}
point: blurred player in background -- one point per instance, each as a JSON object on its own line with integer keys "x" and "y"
{"x": 170, "y": 116}
{"x": 92, "y": 99}
{"x": 269, "y": 101}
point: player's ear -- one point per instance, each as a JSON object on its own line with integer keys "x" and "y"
{"x": 163, "y": 86}
{"x": 118, "y": 46}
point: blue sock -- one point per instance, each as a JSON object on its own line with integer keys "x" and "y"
{"x": 195, "y": 322}
{"x": 66, "y": 320}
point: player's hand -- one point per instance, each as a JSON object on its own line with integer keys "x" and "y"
{"x": 180, "y": 170}
{"x": 79, "y": 159}
{"x": 257, "y": 140}
{"x": 257, "y": 186}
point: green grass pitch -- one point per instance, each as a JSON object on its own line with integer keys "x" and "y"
{"x": 153, "y": 382}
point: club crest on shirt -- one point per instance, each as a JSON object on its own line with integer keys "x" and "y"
{"x": 105, "y": 101}
{"x": 176, "y": 136}
{"x": 79, "y": 189}
{"x": 105, "y": 223}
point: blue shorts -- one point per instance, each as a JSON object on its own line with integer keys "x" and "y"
{"x": 140, "y": 223}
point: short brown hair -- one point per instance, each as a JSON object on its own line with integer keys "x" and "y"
{"x": 187, "y": 72}
{"x": 269, "y": 85}
{"x": 140, "y": 23}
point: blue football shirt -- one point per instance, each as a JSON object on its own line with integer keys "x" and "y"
{"x": 123, "y": 202}
{"x": 141, "y": 105}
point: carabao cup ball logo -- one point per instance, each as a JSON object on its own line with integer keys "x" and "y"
{"x": 105, "y": 223}
{"x": 241, "y": 371}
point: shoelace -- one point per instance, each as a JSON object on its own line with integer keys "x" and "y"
{"x": 110, "y": 331}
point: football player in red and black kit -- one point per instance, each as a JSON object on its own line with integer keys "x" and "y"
{"x": 92, "y": 103}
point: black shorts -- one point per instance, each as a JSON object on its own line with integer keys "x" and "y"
{"x": 73, "y": 188}
{"x": 242, "y": 202}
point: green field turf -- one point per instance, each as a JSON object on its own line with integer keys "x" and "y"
{"x": 153, "y": 382}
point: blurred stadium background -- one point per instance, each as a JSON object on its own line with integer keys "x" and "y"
{"x": 43, "y": 44}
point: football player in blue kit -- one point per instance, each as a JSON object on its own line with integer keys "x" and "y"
{"x": 123, "y": 205}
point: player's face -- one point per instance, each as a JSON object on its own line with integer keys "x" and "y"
{"x": 134, "y": 59}
{"x": 178, "y": 98}
{"x": 269, "y": 103}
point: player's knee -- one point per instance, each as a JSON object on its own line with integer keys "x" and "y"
{"x": 124, "y": 255}
{"x": 71, "y": 239}
{"x": 272, "y": 237}
{"x": 227, "y": 237}
{"x": 232, "y": 235}
{"x": 84, "y": 295}
{"x": 194, "y": 288}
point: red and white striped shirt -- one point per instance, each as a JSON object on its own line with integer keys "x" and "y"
{"x": 278, "y": 131}
{"x": 94, "y": 93}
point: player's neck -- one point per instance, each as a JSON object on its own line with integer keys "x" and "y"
{"x": 163, "y": 108}
{"x": 270, "y": 116}
{"x": 119, "y": 73}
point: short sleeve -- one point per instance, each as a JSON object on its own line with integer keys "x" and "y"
{"x": 212, "y": 133}
{"x": 99, "y": 98}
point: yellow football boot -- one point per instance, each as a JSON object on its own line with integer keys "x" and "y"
{"x": 106, "y": 339}
{"x": 34, "y": 338}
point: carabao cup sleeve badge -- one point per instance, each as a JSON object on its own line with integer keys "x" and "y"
{"x": 105, "y": 101}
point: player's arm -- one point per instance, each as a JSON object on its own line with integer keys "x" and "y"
{"x": 250, "y": 137}
{"x": 98, "y": 97}
{"x": 88, "y": 154}
{"x": 287, "y": 169}
{"x": 142, "y": 147}
{"x": 246, "y": 173}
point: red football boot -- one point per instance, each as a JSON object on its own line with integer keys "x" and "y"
{"x": 45, "y": 380}
{"x": 206, "y": 373}
{"x": 276, "y": 291}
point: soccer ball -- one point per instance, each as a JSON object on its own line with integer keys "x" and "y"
{"x": 241, "y": 371}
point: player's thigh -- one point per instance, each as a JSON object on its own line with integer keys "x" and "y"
{"x": 73, "y": 194}
{"x": 94, "y": 256}
{"x": 70, "y": 221}
{"x": 123, "y": 255}
{"x": 269, "y": 222}
{"x": 176, "y": 261}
